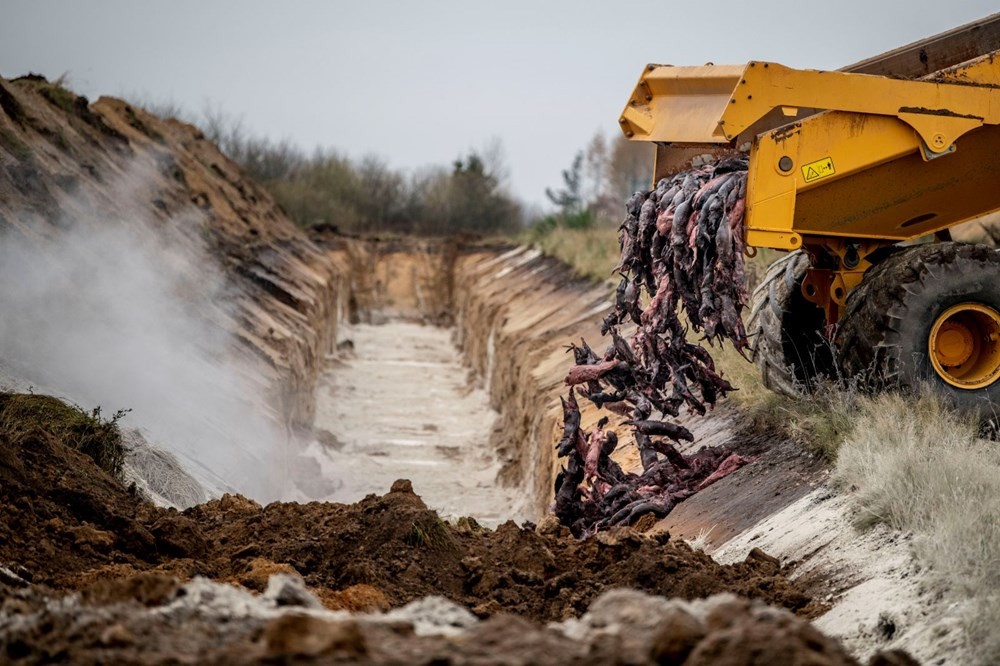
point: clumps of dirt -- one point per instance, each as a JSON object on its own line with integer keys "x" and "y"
{"x": 64, "y": 517}
{"x": 67, "y": 524}
{"x": 150, "y": 619}
{"x": 71, "y": 104}
{"x": 93, "y": 573}
{"x": 682, "y": 244}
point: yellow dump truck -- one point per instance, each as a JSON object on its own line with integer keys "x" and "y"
{"x": 859, "y": 174}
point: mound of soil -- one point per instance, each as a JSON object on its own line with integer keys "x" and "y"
{"x": 395, "y": 544}
{"x": 66, "y": 523}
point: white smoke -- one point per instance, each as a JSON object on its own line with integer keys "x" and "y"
{"x": 129, "y": 315}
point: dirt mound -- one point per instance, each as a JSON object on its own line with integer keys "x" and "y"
{"x": 64, "y": 516}
{"x": 67, "y": 524}
{"x": 395, "y": 544}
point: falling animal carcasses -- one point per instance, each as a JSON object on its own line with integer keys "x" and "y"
{"x": 682, "y": 245}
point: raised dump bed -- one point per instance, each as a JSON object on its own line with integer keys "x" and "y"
{"x": 843, "y": 167}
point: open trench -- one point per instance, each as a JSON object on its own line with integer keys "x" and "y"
{"x": 446, "y": 367}
{"x": 443, "y": 367}
{"x": 397, "y": 402}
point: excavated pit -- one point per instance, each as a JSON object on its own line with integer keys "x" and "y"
{"x": 442, "y": 369}
{"x": 396, "y": 402}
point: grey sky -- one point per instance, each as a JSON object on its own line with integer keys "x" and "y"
{"x": 421, "y": 82}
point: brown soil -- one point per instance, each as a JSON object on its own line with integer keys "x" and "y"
{"x": 67, "y": 524}
{"x": 395, "y": 544}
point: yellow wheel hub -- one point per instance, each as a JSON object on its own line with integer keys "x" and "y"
{"x": 964, "y": 345}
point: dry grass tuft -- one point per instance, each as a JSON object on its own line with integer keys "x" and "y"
{"x": 592, "y": 252}
{"x": 915, "y": 464}
{"x": 701, "y": 541}
{"x": 25, "y": 415}
{"x": 817, "y": 420}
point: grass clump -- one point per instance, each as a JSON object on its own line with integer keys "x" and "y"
{"x": 28, "y": 415}
{"x": 429, "y": 532}
{"x": 591, "y": 252}
{"x": 819, "y": 419}
{"x": 59, "y": 96}
{"x": 917, "y": 465}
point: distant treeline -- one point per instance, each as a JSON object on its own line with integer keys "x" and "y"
{"x": 470, "y": 195}
{"x": 367, "y": 195}
{"x": 601, "y": 177}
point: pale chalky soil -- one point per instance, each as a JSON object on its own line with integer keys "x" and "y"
{"x": 401, "y": 406}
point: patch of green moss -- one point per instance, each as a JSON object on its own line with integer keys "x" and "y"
{"x": 59, "y": 96}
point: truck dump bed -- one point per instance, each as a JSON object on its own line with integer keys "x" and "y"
{"x": 840, "y": 154}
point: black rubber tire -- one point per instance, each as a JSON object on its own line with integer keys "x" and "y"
{"x": 786, "y": 331}
{"x": 884, "y": 330}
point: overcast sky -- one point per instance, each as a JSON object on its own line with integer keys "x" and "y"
{"x": 421, "y": 82}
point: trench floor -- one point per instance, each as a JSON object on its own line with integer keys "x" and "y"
{"x": 400, "y": 405}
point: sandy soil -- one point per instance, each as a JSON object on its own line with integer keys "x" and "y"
{"x": 879, "y": 597}
{"x": 398, "y": 403}
{"x": 876, "y": 595}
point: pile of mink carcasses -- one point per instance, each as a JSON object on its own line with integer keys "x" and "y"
{"x": 682, "y": 254}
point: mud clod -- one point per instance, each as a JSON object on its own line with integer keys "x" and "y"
{"x": 307, "y": 636}
{"x": 148, "y": 588}
{"x": 678, "y": 635}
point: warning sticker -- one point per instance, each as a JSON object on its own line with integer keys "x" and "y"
{"x": 818, "y": 169}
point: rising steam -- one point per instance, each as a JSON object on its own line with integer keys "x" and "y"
{"x": 131, "y": 315}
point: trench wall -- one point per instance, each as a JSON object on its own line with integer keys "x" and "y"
{"x": 82, "y": 166}
{"x": 517, "y": 312}
{"x": 514, "y": 312}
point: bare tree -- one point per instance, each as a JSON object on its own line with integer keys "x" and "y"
{"x": 631, "y": 166}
